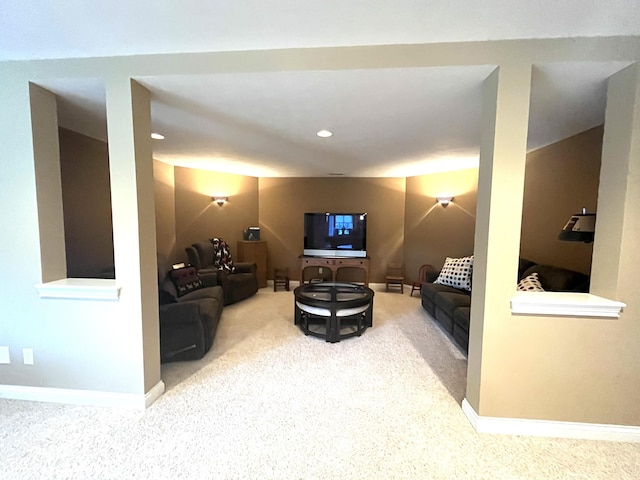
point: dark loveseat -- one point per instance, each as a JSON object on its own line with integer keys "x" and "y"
{"x": 236, "y": 286}
{"x": 451, "y": 307}
{"x": 188, "y": 319}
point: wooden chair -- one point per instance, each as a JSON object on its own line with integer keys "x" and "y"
{"x": 422, "y": 277}
{"x": 395, "y": 277}
{"x": 281, "y": 279}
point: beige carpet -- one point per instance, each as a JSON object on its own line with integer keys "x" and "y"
{"x": 269, "y": 403}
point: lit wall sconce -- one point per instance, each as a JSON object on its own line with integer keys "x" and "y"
{"x": 444, "y": 200}
{"x": 220, "y": 200}
{"x": 581, "y": 227}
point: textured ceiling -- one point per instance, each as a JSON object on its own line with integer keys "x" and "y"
{"x": 386, "y": 122}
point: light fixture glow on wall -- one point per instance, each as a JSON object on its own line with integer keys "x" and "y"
{"x": 324, "y": 133}
{"x": 444, "y": 199}
{"x": 220, "y": 200}
{"x": 157, "y": 136}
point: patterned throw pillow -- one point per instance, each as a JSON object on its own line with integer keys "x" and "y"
{"x": 222, "y": 255}
{"x": 186, "y": 280}
{"x": 530, "y": 283}
{"x": 456, "y": 273}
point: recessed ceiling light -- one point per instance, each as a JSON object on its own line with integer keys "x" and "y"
{"x": 324, "y": 133}
{"x": 157, "y": 136}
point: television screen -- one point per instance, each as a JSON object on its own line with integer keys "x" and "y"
{"x": 335, "y": 234}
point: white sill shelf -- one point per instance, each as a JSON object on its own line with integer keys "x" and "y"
{"x": 565, "y": 304}
{"x": 80, "y": 289}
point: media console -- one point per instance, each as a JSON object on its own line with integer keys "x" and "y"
{"x": 334, "y": 264}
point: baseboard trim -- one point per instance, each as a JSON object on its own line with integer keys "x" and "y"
{"x": 548, "y": 428}
{"x": 83, "y": 397}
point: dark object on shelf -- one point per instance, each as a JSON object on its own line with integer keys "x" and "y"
{"x": 251, "y": 234}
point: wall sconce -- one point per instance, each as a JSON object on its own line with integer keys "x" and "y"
{"x": 581, "y": 227}
{"x": 444, "y": 200}
{"x": 220, "y": 200}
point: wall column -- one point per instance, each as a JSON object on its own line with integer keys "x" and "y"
{"x": 615, "y": 252}
{"x": 503, "y": 148}
{"x": 134, "y": 231}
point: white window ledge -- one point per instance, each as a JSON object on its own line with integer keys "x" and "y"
{"x": 566, "y": 304}
{"x": 80, "y": 288}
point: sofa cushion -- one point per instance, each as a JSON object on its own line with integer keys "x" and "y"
{"x": 456, "y": 272}
{"x": 430, "y": 290}
{"x": 448, "y": 301}
{"x": 185, "y": 279}
{"x": 530, "y": 283}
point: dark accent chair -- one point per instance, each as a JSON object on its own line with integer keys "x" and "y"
{"x": 239, "y": 285}
{"x": 188, "y": 323}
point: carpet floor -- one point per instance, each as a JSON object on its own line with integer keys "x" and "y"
{"x": 268, "y": 402}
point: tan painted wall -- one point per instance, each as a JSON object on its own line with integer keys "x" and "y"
{"x": 283, "y": 202}
{"x": 560, "y": 180}
{"x": 433, "y": 232}
{"x": 198, "y": 218}
{"x": 164, "y": 187}
{"x": 86, "y": 196}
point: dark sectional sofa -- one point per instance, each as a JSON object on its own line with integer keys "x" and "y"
{"x": 451, "y": 307}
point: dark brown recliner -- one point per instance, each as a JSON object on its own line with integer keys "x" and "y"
{"x": 240, "y": 284}
{"x": 188, "y": 322}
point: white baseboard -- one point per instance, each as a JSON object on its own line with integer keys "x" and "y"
{"x": 548, "y": 428}
{"x": 83, "y": 397}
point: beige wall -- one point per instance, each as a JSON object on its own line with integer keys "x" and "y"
{"x": 433, "y": 232}
{"x": 198, "y": 218}
{"x": 560, "y": 180}
{"x": 86, "y": 195}
{"x": 165, "y": 201}
{"x": 283, "y": 202}
{"x": 425, "y": 232}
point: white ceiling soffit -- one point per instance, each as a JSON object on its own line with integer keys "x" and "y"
{"x": 388, "y": 122}
{"x": 78, "y": 28}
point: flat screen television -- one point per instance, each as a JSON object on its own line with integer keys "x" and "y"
{"x": 335, "y": 234}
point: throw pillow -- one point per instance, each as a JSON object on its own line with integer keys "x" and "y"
{"x": 222, "y": 255}
{"x": 530, "y": 283}
{"x": 456, "y": 273}
{"x": 186, "y": 280}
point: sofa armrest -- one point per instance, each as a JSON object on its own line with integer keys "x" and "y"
{"x": 209, "y": 277}
{"x": 246, "y": 267}
{"x": 180, "y": 313}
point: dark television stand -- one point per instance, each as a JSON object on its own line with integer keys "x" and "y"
{"x": 334, "y": 264}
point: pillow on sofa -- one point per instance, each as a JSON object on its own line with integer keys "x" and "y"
{"x": 530, "y": 283}
{"x": 456, "y": 273}
{"x": 186, "y": 280}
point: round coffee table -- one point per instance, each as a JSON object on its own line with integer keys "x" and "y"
{"x": 333, "y": 310}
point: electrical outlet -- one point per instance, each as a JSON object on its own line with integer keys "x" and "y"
{"x": 4, "y": 355}
{"x": 319, "y": 269}
{"x": 27, "y": 355}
